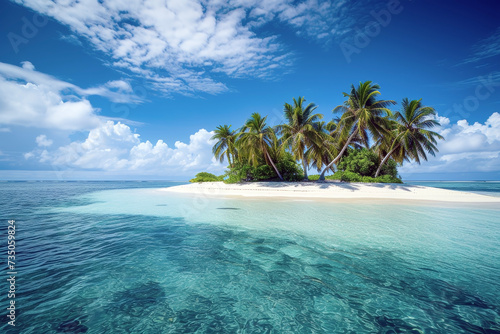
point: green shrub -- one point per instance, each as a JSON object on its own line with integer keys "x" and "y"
{"x": 368, "y": 179}
{"x": 238, "y": 172}
{"x": 354, "y": 177}
{"x": 263, "y": 172}
{"x": 390, "y": 168}
{"x": 388, "y": 179}
{"x": 293, "y": 177}
{"x": 360, "y": 161}
{"x": 232, "y": 179}
{"x": 207, "y": 177}
{"x": 365, "y": 163}
{"x": 336, "y": 176}
{"x": 350, "y": 177}
{"x": 289, "y": 169}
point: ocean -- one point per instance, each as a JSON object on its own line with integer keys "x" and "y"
{"x": 123, "y": 257}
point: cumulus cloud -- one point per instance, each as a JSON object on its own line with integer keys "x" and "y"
{"x": 43, "y": 141}
{"x": 28, "y": 65}
{"x": 38, "y": 106}
{"x": 184, "y": 46}
{"x": 467, "y": 148}
{"x": 114, "y": 147}
{"x": 34, "y": 99}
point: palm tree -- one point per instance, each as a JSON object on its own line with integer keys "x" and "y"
{"x": 301, "y": 131}
{"x": 410, "y": 135}
{"x": 225, "y": 143}
{"x": 256, "y": 138}
{"x": 384, "y": 144}
{"x": 322, "y": 152}
{"x": 362, "y": 115}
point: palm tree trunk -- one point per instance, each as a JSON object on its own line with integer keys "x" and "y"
{"x": 384, "y": 160}
{"x": 334, "y": 161}
{"x": 305, "y": 169}
{"x": 272, "y": 163}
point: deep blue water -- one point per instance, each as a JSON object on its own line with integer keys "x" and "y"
{"x": 122, "y": 257}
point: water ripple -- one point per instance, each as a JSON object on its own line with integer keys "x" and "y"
{"x": 126, "y": 273}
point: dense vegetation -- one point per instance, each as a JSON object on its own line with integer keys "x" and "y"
{"x": 207, "y": 177}
{"x": 365, "y": 163}
{"x": 285, "y": 165}
{"x": 365, "y": 143}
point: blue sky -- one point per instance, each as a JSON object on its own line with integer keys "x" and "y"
{"x": 132, "y": 89}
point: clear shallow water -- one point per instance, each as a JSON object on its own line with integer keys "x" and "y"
{"x": 97, "y": 258}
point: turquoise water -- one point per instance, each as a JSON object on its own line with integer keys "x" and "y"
{"x": 491, "y": 188}
{"x": 123, "y": 257}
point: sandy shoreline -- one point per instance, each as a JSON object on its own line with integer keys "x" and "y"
{"x": 332, "y": 190}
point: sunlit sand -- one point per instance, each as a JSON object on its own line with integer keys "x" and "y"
{"x": 332, "y": 190}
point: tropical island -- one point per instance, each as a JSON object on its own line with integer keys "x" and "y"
{"x": 360, "y": 149}
{"x": 365, "y": 143}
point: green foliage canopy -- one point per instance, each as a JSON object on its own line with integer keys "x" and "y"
{"x": 365, "y": 163}
{"x": 287, "y": 166}
{"x": 207, "y": 177}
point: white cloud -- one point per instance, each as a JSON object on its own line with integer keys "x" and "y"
{"x": 33, "y": 99}
{"x": 34, "y": 105}
{"x": 28, "y": 65}
{"x": 25, "y": 74}
{"x": 72, "y": 39}
{"x": 182, "y": 46}
{"x": 114, "y": 147}
{"x": 43, "y": 141}
{"x": 477, "y": 137}
{"x": 444, "y": 121}
{"x": 467, "y": 148}
{"x": 486, "y": 48}
{"x": 119, "y": 91}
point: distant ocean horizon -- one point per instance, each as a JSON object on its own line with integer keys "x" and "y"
{"x": 121, "y": 256}
{"x": 490, "y": 188}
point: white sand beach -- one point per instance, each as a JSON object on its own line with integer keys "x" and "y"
{"x": 332, "y": 190}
